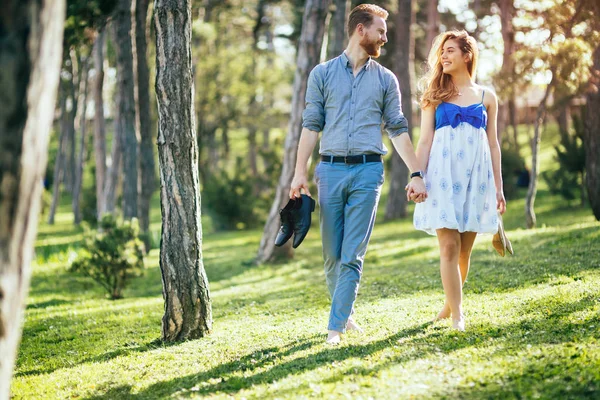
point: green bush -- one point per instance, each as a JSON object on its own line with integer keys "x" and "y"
{"x": 567, "y": 180}
{"x": 229, "y": 200}
{"x": 112, "y": 256}
{"x": 513, "y": 165}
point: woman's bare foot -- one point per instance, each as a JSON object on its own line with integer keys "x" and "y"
{"x": 333, "y": 337}
{"x": 459, "y": 324}
{"x": 351, "y": 325}
{"x": 444, "y": 314}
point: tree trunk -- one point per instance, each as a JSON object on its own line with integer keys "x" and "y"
{"x": 99, "y": 123}
{"x": 252, "y": 152}
{"x": 112, "y": 173}
{"x": 59, "y": 163}
{"x": 507, "y": 108}
{"x": 147, "y": 178}
{"x": 512, "y": 116}
{"x": 129, "y": 139}
{"x": 433, "y": 23}
{"x": 81, "y": 127}
{"x": 114, "y": 168}
{"x": 592, "y": 139}
{"x": 309, "y": 50}
{"x": 338, "y": 31}
{"x": 188, "y": 312}
{"x": 71, "y": 143}
{"x": 404, "y": 42}
{"x": 530, "y": 218}
{"x": 30, "y": 48}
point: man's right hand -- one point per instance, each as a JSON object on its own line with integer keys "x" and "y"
{"x": 299, "y": 182}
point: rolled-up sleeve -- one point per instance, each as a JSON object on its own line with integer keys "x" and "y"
{"x": 394, "y": 122}
{"x": 313, "y": 117}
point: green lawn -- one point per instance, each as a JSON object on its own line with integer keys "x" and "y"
{"x": 533, "y": 321}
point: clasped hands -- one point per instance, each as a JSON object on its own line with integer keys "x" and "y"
{"x": 415, "y": 190}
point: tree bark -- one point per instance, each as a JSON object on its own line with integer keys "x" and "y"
{"x": 30, "y": 55}
{"x": 188, "y": 312}
{"x": 81, "y": 128}
{"x": 129, "y": 139}
{"x": 147, "y": 178}
{"x": 99, "y": 122}
{"x": 507, "y": 108}
{"x": 433, "y": 23}
{"x": 59, "y": 163}
{"x": 530, "y": 218}
{"x": 309, "y": 50}
{"x": 338, "y": 31}
{"x": 592, "y": 138}
{"x": 403, "y": 68}
{"x": 69, "y": 175}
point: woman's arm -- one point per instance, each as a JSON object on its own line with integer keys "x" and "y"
{"x": 424, "y": 145}
{"x": 491, "y": 103}
{"x": 426, "y": 136}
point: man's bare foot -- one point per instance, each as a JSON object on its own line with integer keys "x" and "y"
{"x": 351, "y": 325}
{"x": 333, "y": 337}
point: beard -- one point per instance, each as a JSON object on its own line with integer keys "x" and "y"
{"x": 371, "y": 47}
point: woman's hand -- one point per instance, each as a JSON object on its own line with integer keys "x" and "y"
{"x": 500, "y": 201}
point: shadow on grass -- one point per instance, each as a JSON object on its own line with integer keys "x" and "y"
{"x": 418, "y": 342}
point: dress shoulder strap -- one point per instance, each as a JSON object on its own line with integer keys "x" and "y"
{"x": 482, "y": 94}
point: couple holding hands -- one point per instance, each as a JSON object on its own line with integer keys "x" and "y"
{"x": 455, "y": 182}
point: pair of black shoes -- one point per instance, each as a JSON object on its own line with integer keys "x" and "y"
{"x": 295, "y": 220}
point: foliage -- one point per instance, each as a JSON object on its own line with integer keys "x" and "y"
{"x": 83, "y": 18}
{"x": 567, "y": 180}
{"x": 230, "y": 200}
{"x": 513, "y": 165}
{"x": 112, "y": 256}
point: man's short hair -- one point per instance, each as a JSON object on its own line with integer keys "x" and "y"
{"x": 363, "y": 14}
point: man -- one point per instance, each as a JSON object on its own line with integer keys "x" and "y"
{"x": 347, "y": 99}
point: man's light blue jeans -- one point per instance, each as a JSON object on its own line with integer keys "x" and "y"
{"x": 348, "y": 198}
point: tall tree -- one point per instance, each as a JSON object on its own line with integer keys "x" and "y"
{"x": 80, "y": 126}
{"x": 188, "y": 312}
{"x": 99, "y": 122}
{"x": 126, "y": 115}
{"x": 309, "y": 49}
{"x": 59, "y": 163}
{"x": 30, "y": 55}
{"x": 404, "y": 43}
{"x": 338, "y": 31}
{"x": 592, "y": 123}
{"x": 507, "y": 109}
{"x": 433, "y": 23}
{"x": 567, "y": 57}
{"x": 147, "y": 178}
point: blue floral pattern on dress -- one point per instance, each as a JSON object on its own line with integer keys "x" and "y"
{"x": 456, "y": 187}
{"x": 461, "y": 191}
{"x": 444, "y": 184}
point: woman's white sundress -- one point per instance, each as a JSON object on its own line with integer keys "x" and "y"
{"x": 461, "y": 193}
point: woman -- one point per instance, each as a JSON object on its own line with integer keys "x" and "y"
{"x": 459, "y": 152}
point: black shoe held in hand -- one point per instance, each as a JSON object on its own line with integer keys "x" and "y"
{"x": 287, "y": 224}
{"x": 301, "y": 214}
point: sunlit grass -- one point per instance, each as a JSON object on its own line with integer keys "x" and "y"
{"x": 533, "y": 320}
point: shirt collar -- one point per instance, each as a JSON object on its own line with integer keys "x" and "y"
{"x": 347, "y": 63}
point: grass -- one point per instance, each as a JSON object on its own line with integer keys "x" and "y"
{"x": 533, "y": 321}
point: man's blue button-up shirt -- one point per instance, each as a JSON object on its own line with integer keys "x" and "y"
{"x": 349, "y": 110}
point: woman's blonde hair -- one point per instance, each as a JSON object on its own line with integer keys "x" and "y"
{"x": 436, "y": 85}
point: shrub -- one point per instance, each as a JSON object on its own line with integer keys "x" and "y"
{"x": 229, "y": 200}
{"x": 513, "y": 167}
{"x": 112, "y": 256}
{"x": 568, "y": 179}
